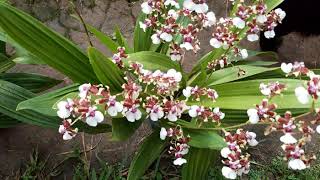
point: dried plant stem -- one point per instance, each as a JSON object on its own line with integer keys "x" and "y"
{"x": 83, "y": 23}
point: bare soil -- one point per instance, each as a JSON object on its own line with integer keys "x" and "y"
{"x": 17, "y": 143}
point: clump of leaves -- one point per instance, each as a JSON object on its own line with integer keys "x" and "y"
{"x": 34, "y": 168}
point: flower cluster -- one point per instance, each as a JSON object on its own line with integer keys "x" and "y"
{"x": 179, "y": 143}
{"x": 196, "y": 92}
{"x": 164, "y": 21}
{"x": 131, "y": 102}
{"x": 117, "y": 58}
{"x": 164, "y": 83}
{"x": 291, "y": 128}
{"x": 94, "y": 102}
{"x": 272, "y": 89}
{"x": 228, "y": 31}
{"x": 206, "y": 114}
{"x": 85, "y": 107}
{"x": 293, "y": 148}
{"x": 263, "y": 112}
{"x": 296, "y": 69}
{"x": 235, "y": 162}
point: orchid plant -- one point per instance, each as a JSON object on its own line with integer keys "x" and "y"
{"x": 195, "y": 116}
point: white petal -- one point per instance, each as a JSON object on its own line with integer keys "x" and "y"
{"x": 269, "y": 34}
{"x": 143, "y": 26}
{"x": 163, "y": 133}
{"x": 229, "y": 173}
{"x": 252, "y": 135}
{"x": 280, "y": 13}
{"x": 63, "y": 113}
{"x": 193, "y": 111}
{"x": 172, "y": 117}
{"x": 318, "y": 129}
{"x": 66, "y": 136}
{"x": 238, "y": 22}
{"x": 155, "y": 39}
{"x": 286, "y": 68}
{"x": 175, "y": 57}
{"x": 222, "y": 115}
{"x": 225, "y": 152}
{"x": 288, "y": 139}
{"x": 302, "y": 95}
{"x": 188, "y": 46}
{"x": 244, "y": 53}
{"x": 215, "y": 43}
{"x": 138, "y": 114}
{"x": 119, "y": 106}
{"x": 262, "y": 19}
{"x": 201, "y": 8}
{"x": 62, "y": 104}
{"x": 91, "y": 121}
{"x": 189, "y": 4}
{"x": 179, "y": 161}
{"x": 253, "y": 37}
{"x": 130, "y": 116}
{"x": 112, "y": 111}
{"x": 154, "y": 116}
{"x": 253, "y": 142}
{"x": 172, "y": 13}
{"x": 296, "y": 164}
{"x": 253, "y": 116}
{"x": 146, "y": 8}
{"x": 187, "y": 92}
{"x": 98, "y": 116}
{"x": 265, "y": 90}
{"x": 166, "y": 37}
{"x": 62, "y": 129}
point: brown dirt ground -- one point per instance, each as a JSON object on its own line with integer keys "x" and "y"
{"x": 17, "y": 143}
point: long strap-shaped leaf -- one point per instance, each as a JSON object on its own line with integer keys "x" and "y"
{"x": 6, "y": 121}
{"x": 5, "y": 65}
{"x": 11, "y": 95}
{"x": 107, "y": 72}
{"x": 149, "y": 151}
{"x": 198, "y": 163}
{"x": 153, "y": 61}
{"x": 33, "y": 82}
{"x": 43, "y": 104}
{"x": 47, "y": 45}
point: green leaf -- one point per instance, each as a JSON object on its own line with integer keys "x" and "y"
{"x": 11, "y": 95}
{"x": 148, "y": 152}
{"x": 231, "y": 74}
{"x": 121, "y": 40}
{"x": 271, "y": 4}
{"x": 101, "y": 128}
{"x": 205, "y": 139}
{"x": 6, "y": 121}
{"x": 2, "y": 48}
{"x": 255, "y": 63}
{"x": 33, "y": 82}
{"x": 44, "y": 103}
{"x": 21, "y": 56}
{"x": 198, "y": 163}
{"x": 104, "y": 39}
{"x": 45, "y": 44}
{"x": 107, "y": 72}
{"x": 245, "y": 94}
{"x": 142, "y": 40}
{"x": 3, "y": 57}
{"x": 152, "y": 61}
{"x": 122, "y": 129}
{"x": 6, "y": 65}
